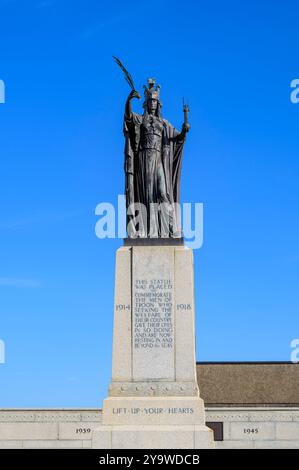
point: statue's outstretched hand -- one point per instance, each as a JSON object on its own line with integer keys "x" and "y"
{"x": 134, "y": 94}
{"x": 128, "y": 107}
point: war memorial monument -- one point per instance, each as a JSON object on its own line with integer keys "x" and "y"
{"x": 154, "y": 399}
{"x": 157, "y": 393}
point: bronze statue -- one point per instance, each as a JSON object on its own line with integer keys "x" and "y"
{"x": 153, "y": 158}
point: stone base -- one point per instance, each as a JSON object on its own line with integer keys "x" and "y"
{"x": 153, "y": 437}
{"x": 155, "y": 411}
{"x": 153, "y": 400}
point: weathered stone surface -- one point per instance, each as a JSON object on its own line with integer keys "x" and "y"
{"x": 44, "y": 444}
{"x": 34, "y": 431}
{"x": 17, "y": 415}
{"x": 278, "y": 415}
{"x": 237, "y": 444}
{"x": 87, "y": 444}
{"x": 153, "y": 299}
{"x": 152, "y": 437}
{"x": 286, "y": 434}
{"x": 77, "y": 430}
{"x": 289, "y": 431}
{"x": 227, "y": 415}
{"x": 184, "y": 316}
{"x": 276, "y": 444}
{"x": 95, "y": 416}
{"x": 122, "y": 330}
{"x": 153, "y": 388}
{"x": 252, "y": 431}
{"x": 153, "y": 411}
{"x": 154, "y": 338}
{"x": 53, "y": 415}
{"x": 57, "y": 416}
{"x": 11, "y": 444}
{"x": 252, "y": 414}
{"x": 102, "y": 438}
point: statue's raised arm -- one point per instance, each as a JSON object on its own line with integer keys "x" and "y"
{"x": 128, "y": 106}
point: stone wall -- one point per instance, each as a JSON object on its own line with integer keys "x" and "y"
{"x": 50, "y": 429}
{"x": 257, "y": 427}
{"x": 254, "y": 427}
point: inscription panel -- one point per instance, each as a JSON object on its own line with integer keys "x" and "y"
{"x": 153, "y": 326}
{"x": 153, "y": 410}
{"x": 153, "y": 314}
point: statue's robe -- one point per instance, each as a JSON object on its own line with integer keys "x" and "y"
{"x": 171, "y": 156}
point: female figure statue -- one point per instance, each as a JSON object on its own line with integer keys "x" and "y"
{"x": 153, "y": 156}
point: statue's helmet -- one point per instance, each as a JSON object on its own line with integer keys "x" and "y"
{"x": 151, "y": 93}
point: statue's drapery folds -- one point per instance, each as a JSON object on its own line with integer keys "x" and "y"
{"x": 153, "y": 158}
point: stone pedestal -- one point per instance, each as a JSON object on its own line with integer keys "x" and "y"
{"x": 153, "y": 397}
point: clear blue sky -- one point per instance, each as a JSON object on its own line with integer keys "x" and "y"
{"x": 62, "y": 153}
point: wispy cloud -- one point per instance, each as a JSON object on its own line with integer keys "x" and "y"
{"x": 45, "y": 3}
{"x": 5, "y": 2}
{"x": 38, "y": 4}
{"x": 15, "y": 223}
{"x": 95, "y": 28}
{"x": 18, "y": 282}
{"x": 50, "y": 218}
{"x": 72, "y": 379}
